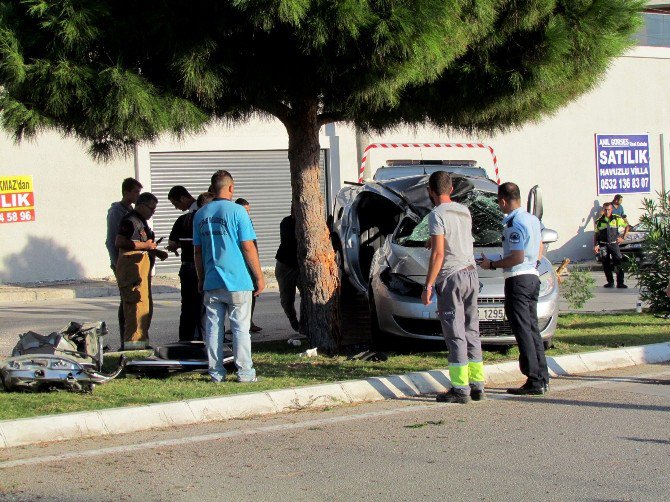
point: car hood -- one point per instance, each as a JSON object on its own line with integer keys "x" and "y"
{"x": 412, "y": 262}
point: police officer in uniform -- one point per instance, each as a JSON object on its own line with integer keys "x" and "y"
{"x": 522, "y": 247}
{"x": 606, "y": 242}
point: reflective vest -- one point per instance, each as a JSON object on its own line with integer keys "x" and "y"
{"x": 607, "y": 229}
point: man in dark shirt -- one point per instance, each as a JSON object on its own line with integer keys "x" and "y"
{"x": 287, "y": 272}
{"x": 245, "y": 204}
{"x": 137, "y": 253}
{"x": 181, "y": 236}
{"x": 130, "y": 190}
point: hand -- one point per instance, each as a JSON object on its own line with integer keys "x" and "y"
{"x": 260, "y": 286}
{"x": 485, "y": 263}
{"x": 596, "y": 248}
{"x": 173, "y": 247}
{"x": 160, "y": 254}
{"x": 149, "y": 245}
{"x": 426, "y": 296}
{"x": 619, "y": 240}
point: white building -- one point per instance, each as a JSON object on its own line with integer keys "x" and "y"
{"x": 72, "y": 192}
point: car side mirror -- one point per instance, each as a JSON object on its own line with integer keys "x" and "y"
{"x": 549, "y": 235}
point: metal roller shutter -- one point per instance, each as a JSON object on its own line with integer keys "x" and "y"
{"x": 261, "y": 176}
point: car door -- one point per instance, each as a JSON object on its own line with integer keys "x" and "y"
{"x": 350, "y": 232}
{"x": 534, "y": 202}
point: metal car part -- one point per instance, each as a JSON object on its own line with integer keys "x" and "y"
{"x": 52, "y": 372}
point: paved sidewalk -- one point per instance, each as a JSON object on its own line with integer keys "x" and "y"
{"x": 93, "y": 288}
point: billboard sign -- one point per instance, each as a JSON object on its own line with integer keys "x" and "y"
{"x": 622, "y": 163}
{"x": 17, "y": 200}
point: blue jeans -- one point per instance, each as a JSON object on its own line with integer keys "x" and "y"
{"x": 237, "y": 305}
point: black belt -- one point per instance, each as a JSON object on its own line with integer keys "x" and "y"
{"x": 615, "y": 242}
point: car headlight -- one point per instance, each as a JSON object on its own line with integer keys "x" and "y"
{"x": 401, "y": 285}
{"x": 547, "y": 283}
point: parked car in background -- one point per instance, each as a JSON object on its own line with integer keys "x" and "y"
{"x": 632, "y": 244}
{"x": 380, "y": 230}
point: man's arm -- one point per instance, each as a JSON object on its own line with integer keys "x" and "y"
{"x": 434, "y": 266}
{"x": 199, "y": 269}
{"x": 514, "y": 258}
{"x": 250, "y": 253}
{"x": 123, "y": 242}
{"x": 626, "y": 229}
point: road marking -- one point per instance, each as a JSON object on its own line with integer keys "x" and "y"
{"x": 298, "y": 425}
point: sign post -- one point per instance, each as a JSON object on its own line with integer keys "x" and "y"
{"x": 17, "y": 200}
{"x": 622, "y": 163}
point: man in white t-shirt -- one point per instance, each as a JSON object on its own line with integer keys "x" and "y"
{"x": 452, "y": 276}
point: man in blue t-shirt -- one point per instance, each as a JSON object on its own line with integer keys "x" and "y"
{"x": 225, "y": 254}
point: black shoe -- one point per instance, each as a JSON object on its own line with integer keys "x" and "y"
{"x": 622, "y": 286}
{"x": 526, "y": 390}
{"x": 452, "y": 397}
{"x": 545, "y": 387}
{"x": 609, "y": 285}
{"x": 295, "y": 325}
{"x": 477, "y": 394}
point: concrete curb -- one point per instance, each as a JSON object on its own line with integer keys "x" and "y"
{"x": 138, "y": 418}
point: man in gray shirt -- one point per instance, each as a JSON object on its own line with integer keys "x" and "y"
{"x": 452, "y": 275}
{"x": 130, "y": 191}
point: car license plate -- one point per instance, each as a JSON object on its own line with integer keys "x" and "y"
{"x": 492, "y": 314}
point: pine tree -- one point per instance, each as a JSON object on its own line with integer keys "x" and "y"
{"x": 118, "y": 72}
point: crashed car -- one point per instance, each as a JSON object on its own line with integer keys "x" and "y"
{"x": 380, "y": 230}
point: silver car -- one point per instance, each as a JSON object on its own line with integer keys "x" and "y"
{"x": 380, "y": 230}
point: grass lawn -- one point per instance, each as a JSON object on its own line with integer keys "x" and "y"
{"x": 279, "y": 366}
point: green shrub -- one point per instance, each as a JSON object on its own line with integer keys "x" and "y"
{"x": 652, "y": 273}
{"x": 577, "y": 288}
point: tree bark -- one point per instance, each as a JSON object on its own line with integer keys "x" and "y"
{"x": 318, "y": 270}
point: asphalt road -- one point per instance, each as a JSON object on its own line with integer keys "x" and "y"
{"x": 597, "y": 437}
{"x": 47, "y": 316}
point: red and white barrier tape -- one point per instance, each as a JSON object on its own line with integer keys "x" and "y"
{"x": 427, "y": 145}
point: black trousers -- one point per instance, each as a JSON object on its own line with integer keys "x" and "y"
{"x": 612, "y": 259}
{"x": 521, "y": 293}
{"x": 192, "y": 308}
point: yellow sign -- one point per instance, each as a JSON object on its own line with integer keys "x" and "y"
{"x": 17, "y": 200}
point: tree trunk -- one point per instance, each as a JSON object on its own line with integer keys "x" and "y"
{"x": 318, "y": 270}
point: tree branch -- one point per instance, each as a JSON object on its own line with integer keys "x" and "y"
{"x": 328, "y": 117}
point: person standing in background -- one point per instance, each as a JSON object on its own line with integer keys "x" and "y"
{"x": 224, "y": 255}
{"x": 181, "y": 237}
{"x": 245, "y": 204}
{"x": 287, "y": 272}
{"x": 137, "y": 254}
{"x": 130, "y": 191}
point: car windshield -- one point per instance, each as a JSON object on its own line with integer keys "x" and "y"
{"x": 486, "y": 222}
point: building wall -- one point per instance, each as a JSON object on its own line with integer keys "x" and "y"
{"x": 72, "y": 195}
{"x": 558, "y": 154}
